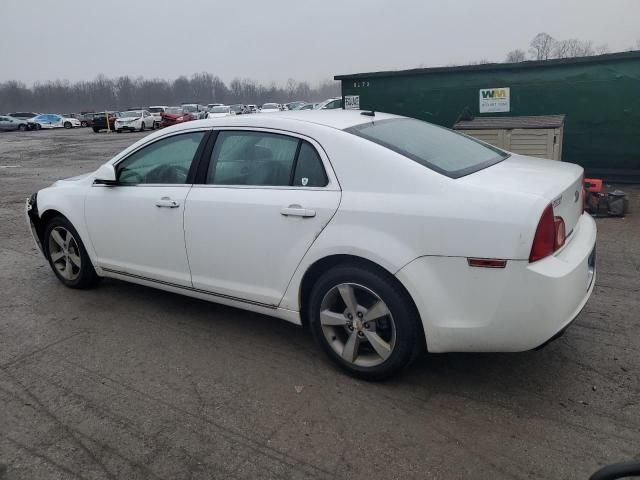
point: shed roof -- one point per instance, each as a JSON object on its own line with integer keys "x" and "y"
{"x": 608, "y": 57}
{"x": 501, "y": 123}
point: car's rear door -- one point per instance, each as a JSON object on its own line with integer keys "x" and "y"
{"x": 136, "y": 227}
{"x": 262, "y": 200}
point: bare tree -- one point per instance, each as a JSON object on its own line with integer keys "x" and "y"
{"x": 601, "y": 49}
{"x": 515, "y": 56}
{"x": 542, "y": 46}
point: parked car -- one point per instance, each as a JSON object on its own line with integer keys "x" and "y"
{"x": 156, "y": 111}
{"x": 212, "y": 105}
{"x": 437, "y": 240}
{"x": 133, "y": 120}
{"x": 100, "y": 121}
{"x": 220, "y": 111}
{"x": 308, "y": 106}
{"x": 8, "y": 123}
{"x": 252, "y": 108}
{"x": 197, "y": 110}
{"x": 270, "y": 108}
{"x": 23, "y": 115}
{"x": 52, "y": 120}
{"x": 295, "y": 105}
{"x": 239, "y": 108}
{"x": 82, "y": 118}
{"x": 175, "y": 115}
{"x": 330, "y": 104}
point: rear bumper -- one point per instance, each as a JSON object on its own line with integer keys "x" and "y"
{"x": 518, "y": 308}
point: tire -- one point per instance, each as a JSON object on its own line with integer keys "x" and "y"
{"x": 65, "y": 250}
{"x": 22, "y": 127}
{"x": 142, "y": 127}
{"x": 38, "y": 126}
{"x": 83, "y": 124}
{"x": 96, "y": 129}
{"x": 153, "y": 126}
{"x": 67, "y": 125}
{"x": 119, "y": 130}
{"x": 395, "y": 333}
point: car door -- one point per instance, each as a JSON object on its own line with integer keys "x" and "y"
{"x": 136, "y": 227}
{"x": 5, "y": 123}
{"x": 264, "y": 199}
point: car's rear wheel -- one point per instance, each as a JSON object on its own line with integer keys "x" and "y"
{"x": 153, "y": 126}
{"x": 142, "y": 127}
{"x": 364, "y": 321}
{"x": 83, "y": 123}
{"x": 38, "y": 126}
{"x": 67, "y": 255}
{"x": 96, "y": 129}
{"x": 22, "y": 127}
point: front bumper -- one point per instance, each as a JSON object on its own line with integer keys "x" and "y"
{"x": 33, "y": 219}
{"x": 518, "y": 308}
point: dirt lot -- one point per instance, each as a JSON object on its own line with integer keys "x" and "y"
{"x": 128, "y": 382}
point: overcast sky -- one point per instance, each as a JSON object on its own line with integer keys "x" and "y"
{"x": 279, "y": 39}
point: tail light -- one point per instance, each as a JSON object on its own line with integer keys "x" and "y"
{"x": 550, "y": 235}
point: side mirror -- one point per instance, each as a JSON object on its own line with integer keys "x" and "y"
{"x": 105, "y": 175}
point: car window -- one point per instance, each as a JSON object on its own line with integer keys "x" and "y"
{"x": 252, "y": 158}
{"x": 165, "y": 161}
{"x": 309, "y": 170}
{"x": 437, "y": 148}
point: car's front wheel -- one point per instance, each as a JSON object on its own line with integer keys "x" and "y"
{"x": 67, "y": 125}
{"x": 96, "y": 129}
{"x": 22, "y": 127}
{"x": 83, "y": 123}
{"x": 364, "y": 321}
{"x": 142, "y": 127}
{"x": 67, "y": 255}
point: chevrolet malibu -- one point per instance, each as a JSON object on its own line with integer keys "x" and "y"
{"x": 384, "y": 235}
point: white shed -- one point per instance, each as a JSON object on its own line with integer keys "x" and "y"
{"x": 537, "y": 136}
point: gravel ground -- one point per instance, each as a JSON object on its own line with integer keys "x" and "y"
{"x": 129, "y": 382}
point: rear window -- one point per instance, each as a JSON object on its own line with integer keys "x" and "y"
{"x": 442, "y": 150}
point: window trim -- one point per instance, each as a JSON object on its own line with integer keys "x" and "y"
{"x": 332, "y": 181}
{"x": 195, "y": 162}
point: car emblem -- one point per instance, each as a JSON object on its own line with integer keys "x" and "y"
{"x": 557, "y": 201}
{"x": 305, "y": 180}
{"x": 576, "y": 196}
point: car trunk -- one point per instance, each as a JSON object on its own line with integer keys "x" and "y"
{"x": 558, "y": 183}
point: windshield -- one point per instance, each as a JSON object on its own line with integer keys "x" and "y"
{"x": 236, "y": 108}
{"x": 189, "y": 108}
{"x": 132, "y": 113}
{"x": 174, "y": 110}
{"x": 270, "y": 106}
{"x": 219, "y": 110}
{"x": 445, "y": 151}
{"x": 156, "y": 109}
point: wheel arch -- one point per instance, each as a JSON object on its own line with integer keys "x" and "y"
{"x": 316, "y": 269}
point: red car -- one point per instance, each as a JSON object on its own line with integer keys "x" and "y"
{"x": 175, "y": 115}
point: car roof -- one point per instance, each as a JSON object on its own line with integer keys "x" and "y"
{"x": 336, "y": 118}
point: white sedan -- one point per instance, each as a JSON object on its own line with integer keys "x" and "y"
{"x": 385, "y": 235}
{"x": 220, "y": 111}
{"x": 52, "y": 120}
{"x": 133, "y": 120}
{"x": 270, "y": 108}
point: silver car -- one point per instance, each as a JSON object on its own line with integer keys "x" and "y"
{"x": 11, "y": 123}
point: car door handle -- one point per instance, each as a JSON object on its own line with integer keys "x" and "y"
{"x": 166, "y": 202}
{"x": 297, "y": 211}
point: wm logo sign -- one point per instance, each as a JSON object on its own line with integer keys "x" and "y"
{"x": 493, "y": 93}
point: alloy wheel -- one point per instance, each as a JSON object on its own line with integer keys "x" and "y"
{"x": 64, "y": 253}
{"x": 357, "y": 324}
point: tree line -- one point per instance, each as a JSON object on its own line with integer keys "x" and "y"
{"x": 544, "y": 47}
{"x": 120, "y": 93}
